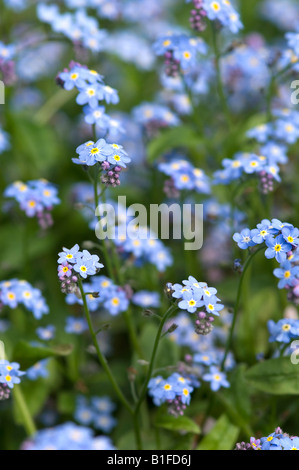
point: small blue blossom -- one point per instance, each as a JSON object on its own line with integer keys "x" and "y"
{"x": 216, "y": 378}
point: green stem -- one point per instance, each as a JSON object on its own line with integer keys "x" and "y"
{"x": 171, "y": 309}
{"x": 24, "y": 411}
{"x": 100, "y": 355}
{"x": 47, "y": 111}
{"x": 237, "y": 304}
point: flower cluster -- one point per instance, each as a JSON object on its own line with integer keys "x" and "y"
{"x": 207, "y": 352}
{"x": 282, "y": 240}
{"x": 9, "y": 376}
{"x": 284, "y": 15}
{"x": 73, "y": 263}
{"x": 92, "y": 90}
{"x": 154, "y": 117}
{"x": 95, "y": 412}
{"x": 183, "y": 176}
{"x": 175, "y": 391}
{"x": 193, "y": 295}
{"x": 102, "y": 294}
{"x": 15, "y": 292}
{"x": 221, "y": 11}
{"x": 36, "y": 198}
{"x": 245, "y": 72}
{"x": 75, "y": 325}
{"x": 277, "y": 440}
{"x": 67, "y": 436}
{"x": 179, "y": 51}
{"x": 80, "y": 28}
{"x": 110, "y": 157}
{"x": 265, "y": 166}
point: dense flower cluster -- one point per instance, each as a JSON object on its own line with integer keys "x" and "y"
{"x": 175, "y": 391}
{"x": 282, "y": 240}
{"x": 102, "y": 294}
{"x": 73, "y": 263}
{"x": 193, "y": 295}
{"x": 80, "y": 28}
{"x": 67, "y": 436}
{"x": 207, "y": 353}
{"x": 245, "y": 72}
{"x": 179, "y": 51}
{"x": 96, "y": 412}
{"x": 223, "y": 12}
{"x": 9, "y": 376}
{"x": 15, "y": 292}
{"x": 183, "y": 176}
{"x": 284, "y": 15}
{"x": 154, "y": 117}
{"x": 277, "y": 440}
{"x": 265, "y": 166}
{"x": 36, "y": 198}
{"x": 92, "y": 90}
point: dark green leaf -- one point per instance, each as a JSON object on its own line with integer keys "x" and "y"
{"x": 181, "y": 423}
{"x": 276, "y": 376}
{"x": 27, "y": 355}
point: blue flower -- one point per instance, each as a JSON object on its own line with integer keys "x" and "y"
{"x": 216, "y": 378}
{"x": 271, "y": 442}
{"x": 289, "y": 443}
{"x": 117, "y": 302}
{"x": 90, "y": 153}
{"x": 287, "y": 274}
{"x": 244, "y": 239}
{"x": 291, "y": 235}
{"x": 146, "y": 299}
{"x": 46, "y": 333}
{"x": 68, "y": 256}
{"x": 283, "y": 331}
{"x": 10, "y": 373}
{"x": 73, "y": 78}
{"x": 39, "y": 369}
{"x": 104, "y": 422}
{"x": 277, "y": 248}
{"x": 190, "y": 303}
{"x": 76, "y": 325}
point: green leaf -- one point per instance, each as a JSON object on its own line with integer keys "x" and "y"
{"x": 275, "y": 376}
{"x": 223, "y": 436}
{"x": 27, "y": 355}
{"x": 172, "y": 138}
{"x": 181, "y": 423}
{"x": 236, "y": 400}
